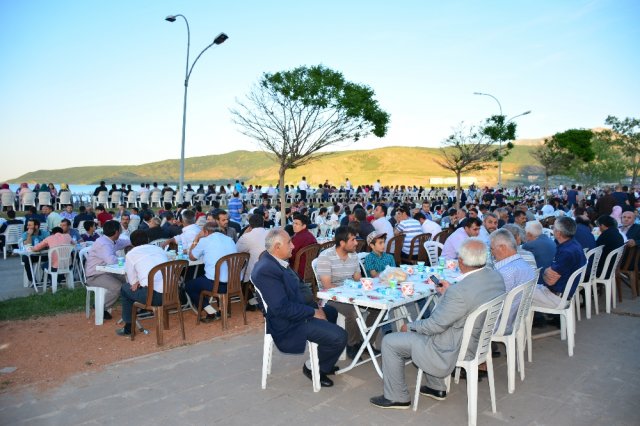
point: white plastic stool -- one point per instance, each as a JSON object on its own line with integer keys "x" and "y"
{"x": 99, "y": 295}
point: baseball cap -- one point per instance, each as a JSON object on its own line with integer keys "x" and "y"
{"x": 375, "y": 234}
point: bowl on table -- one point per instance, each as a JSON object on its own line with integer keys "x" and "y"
{"x": 367, "y": 283}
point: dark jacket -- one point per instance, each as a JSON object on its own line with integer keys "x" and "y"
{"x": 610, "y": 239}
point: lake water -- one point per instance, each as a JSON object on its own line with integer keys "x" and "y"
{"x": 75, "y": 189}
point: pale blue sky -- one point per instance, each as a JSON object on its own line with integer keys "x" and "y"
{"x": 100, "y": 82}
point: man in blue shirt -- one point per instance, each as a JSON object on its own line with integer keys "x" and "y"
{"x": 542, "y": 247}
{"x": 210, "y": 244}
{"x": 568, "y": 258}
{"x": 235, "y": 208}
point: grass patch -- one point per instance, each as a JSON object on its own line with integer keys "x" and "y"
{"x": 38, "y": 305}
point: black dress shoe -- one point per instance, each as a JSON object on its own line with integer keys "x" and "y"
{"x": 438, "y": 395}
{"x": 333, "y": 371}
{"x": 107, "y": 315}
{"x": 123, "y": 332}
{"x": 463, "y": 374}
{"x": 325, "y": 382}
{"x": 382, "y": 402}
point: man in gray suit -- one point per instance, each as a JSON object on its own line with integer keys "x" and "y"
{"x": 433, "y": 344}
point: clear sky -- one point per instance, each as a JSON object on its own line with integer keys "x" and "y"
{"x": 101, "y": 82}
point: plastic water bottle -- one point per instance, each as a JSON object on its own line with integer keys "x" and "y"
{"x": 180, "y": 251}
{"x": 20, "y": 244}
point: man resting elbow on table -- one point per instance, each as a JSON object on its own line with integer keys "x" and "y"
{"x": 139, "y": 261}
{"x": 335, "y": 265}
{"x": 433, "y": 344}
{"x": 291, "y": 314}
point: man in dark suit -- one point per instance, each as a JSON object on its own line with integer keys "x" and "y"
{"x": 610, "y": 238}
{"x": 433, "y": 344}
{"x": 292, "y": 316}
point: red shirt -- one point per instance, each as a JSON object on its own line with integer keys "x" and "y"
{"x": 300, "y": 241}
{"x": 103, "y": 217}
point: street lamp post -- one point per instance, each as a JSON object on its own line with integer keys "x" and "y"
{"x": 220, "y": 38}
{"x": 505, "y": 123}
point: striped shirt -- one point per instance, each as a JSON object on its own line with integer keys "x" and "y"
{"x": 373, "y": 262}
{"x": 411, "y": 228}
{"x": 330, "y": 264}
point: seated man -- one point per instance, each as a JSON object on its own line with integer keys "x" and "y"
{"x": 11, "y": 215}
{"x": 568, "y": 258}
{"x": 519, "y": 235}
{"x": 378, "y": 259}
{"x": 335, "y": 265}
{"x": 82, "y": 216}
{"x": 189, "y": 231}
{"x": 32, "y": 236}
{"x": 56, "y": 239}
{"x": 73, "y": 233}
{"x": 292, "y": 316}
{"x": 53, "y": 218}
{"x": 433, "y": 344}
{"x": 90, "y": 235}
{"x": 489, "y": 224}
{"x": 610, "y": 239}
{"x": 428, "y": 226}
{"x": 542, "y": 247}
{"x": 210, "y": 244}
{"x": 407, "y": 225}
{"x": 103, "y": 252}
{"x": 514, "y": 269}
{"x": 470, "y": 229}
{"x": 141, "y": 259}
{"x": 102, "y": 215}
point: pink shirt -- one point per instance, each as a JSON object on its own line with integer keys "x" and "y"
{"x": 52, "y": 241}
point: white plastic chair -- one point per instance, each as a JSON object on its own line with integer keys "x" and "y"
{"x": 132, "y": 199}
{"x": 267, "y": 354}
{"x": 587, "y": 283}
{"x": 433, "y": 248}
{"x": 44, "y": 198}
{"x": 564, "y": 309}
{"x": 168, "y": 197}
{"x": 158, "y": 242}
{"x": 99, "y": 293}
{"x": 188, "y": 197}
{"x": 609, "y": 282}
{"x": 28, "y": 199}
{"x": 521, "y": 295}
{"x": 179, "y": 198}
{"x": 115, "y": 198}
{"x": 361, "y": 257}
{"x": 144, "y": 198}
{"x": 102, "y": 199}
{"x": 65, "y": 267}
{"x": 156, "y": 199}
{"x": 64, "y": 198}
{"x": 12, "y": 236}
{"x": 548, "y": 232}
{"x": 491, "y": 311}
{"x": 7, "y": 200}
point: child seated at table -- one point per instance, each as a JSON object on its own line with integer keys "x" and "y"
{"x": 91, "y": 235}
{"x": 378, "y": 259}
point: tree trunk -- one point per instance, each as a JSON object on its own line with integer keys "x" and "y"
{"x": 546, "y": 187}
{"x": 283, "y": 197}
{"x": 458, "y": 189}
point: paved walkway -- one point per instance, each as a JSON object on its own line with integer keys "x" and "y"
{"x": 219, "y": 381}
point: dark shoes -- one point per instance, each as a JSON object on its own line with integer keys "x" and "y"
{"x": 107, "y": 315}
{"x": 382, "y": 402}
{"x": 325, "y": 382}
{"x": 463, "y": 374}
{"x": 212, "y": 317}
{"x": 123, "y": 332}
{"x": 352, "y": 351}
{"x": 438, "y": 395}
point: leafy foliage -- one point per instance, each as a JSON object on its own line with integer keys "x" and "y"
{"x": 626, "y": 135}
{"x": 499, "y": 130}
{"x": 605, "y": 167}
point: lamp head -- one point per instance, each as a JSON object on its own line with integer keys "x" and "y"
{"x": 170, "y": 18}
{"x": 220, "y": 38}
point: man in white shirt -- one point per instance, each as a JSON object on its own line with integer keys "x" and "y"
{"x": 347, "y": 188}
{"x": 376, "y": 190}
{"x": 189, "y": 231}
{"x": 302, "y": 188}
{"x": 428, "y": 226}
{"x": 252, "y": 242}
{"x": 139, "y": 261}
{"x": 381, "y": 223}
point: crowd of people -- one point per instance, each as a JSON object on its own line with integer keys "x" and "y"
{"x": 499, "y": 237}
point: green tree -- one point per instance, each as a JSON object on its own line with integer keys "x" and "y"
{"x": 626, "y": 134}
{"x": 294, "y": 114}
{"x": 605, "y": 167}
{"x": 467, "y": 149}
{"x": 561, "y": 153}
{"x": 502, "y": 132}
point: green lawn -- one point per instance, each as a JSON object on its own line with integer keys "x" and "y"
{"x": 38, "y": 305}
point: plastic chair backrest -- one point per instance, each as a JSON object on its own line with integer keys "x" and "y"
{"x": 171, "y": 273}
{"x": 492, "y": 310}
{"x": 167, "y": 197}
{"x": 12, "y": 234}
{"x": 236, "y": 262}
{"x": 65, "y": 197}
{"x": 115, "y": 197}
{"x": 614, "y": 258}
{"x": 44, "y": 198}
{"x": 261, "y": 303}
{"x": 29, "y": 199}
{"x": 82, "y": 260}
{"x": 442, "y": 236}
{"x": 433, "y": 250}
{"x": 103, "y": 198}
{"x": 310, "y": 252}
{"x": 594, "y": 255}
{"x": 7, "y": 199}
{"x": 132, "y": 197}
{"x": 572, "y": 284}
{"x": 361, "y": 257}
{"x": 314, "y": 267}
{"x": 144, "y": 197}
{"x": 417, "y": 246}
{"x": 155, "y": 196}
{"x": 63, "y": 256}
{"x": 326, "y": 245}
{"x": 522, "y": 295}
{"x": 394, "y": 247}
